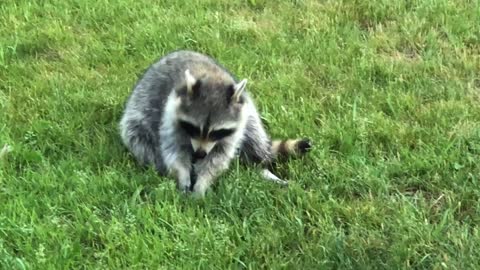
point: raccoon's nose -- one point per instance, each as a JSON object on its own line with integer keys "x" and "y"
{"x": 200, "y": 154}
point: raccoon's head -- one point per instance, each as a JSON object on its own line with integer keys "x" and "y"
{"x": 209, "y": 110}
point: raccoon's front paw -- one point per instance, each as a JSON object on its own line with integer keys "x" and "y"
{"x": 199, "y": 190}
{"x": 183, "y": 188}
{"x": 183, "y": 185}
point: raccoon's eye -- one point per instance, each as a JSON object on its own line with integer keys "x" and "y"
{"x": 217, "y": 135}
{"x": 190, "y": 129}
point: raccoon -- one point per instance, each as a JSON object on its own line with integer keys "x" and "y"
{"x": 189, "y": 116}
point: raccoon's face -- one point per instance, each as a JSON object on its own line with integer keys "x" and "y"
{"x": 209, "y": 111}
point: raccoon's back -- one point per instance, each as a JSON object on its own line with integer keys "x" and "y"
{"x": 173, "y": 65}
{"x": 150, "y": 93}
{"x": 168, "y": 72}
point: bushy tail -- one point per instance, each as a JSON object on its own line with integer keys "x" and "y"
{"x": 290, "y": 147}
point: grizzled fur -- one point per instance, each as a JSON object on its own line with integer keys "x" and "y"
{"x": 189, "y": 116}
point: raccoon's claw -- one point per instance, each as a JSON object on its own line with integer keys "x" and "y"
{"x": 281, "y": 182}
{"x": 183, "y": 188}
{"x": 304, "y": 146}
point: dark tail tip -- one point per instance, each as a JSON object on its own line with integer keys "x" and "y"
{"x": 304, "y": 145}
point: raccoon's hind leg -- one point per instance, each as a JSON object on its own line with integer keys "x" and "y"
{"x": 256, "y": 148}
{"x": 142, "y": 143}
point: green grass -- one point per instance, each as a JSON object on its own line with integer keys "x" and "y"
{"x": 389, "y": 92}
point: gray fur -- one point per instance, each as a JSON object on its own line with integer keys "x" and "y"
{"x": 149, "y": 127}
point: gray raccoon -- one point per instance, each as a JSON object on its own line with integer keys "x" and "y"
{"x": 189, "y": 116}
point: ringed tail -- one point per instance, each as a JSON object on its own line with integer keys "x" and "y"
{"x": 290, "y": 147}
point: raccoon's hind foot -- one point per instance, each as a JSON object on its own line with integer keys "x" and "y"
{"x": 291, "y": 147}
{"x": 269, "y": 176}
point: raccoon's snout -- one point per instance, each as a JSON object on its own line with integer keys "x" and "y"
{"x": 199, "y": 154}
{"x": 201, "y": 148}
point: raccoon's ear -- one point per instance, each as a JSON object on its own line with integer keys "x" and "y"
{"x": 192, "y": 84}
{"x": 238, "y": 90}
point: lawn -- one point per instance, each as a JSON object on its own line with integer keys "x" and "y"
{"x": 389, "y": 92}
